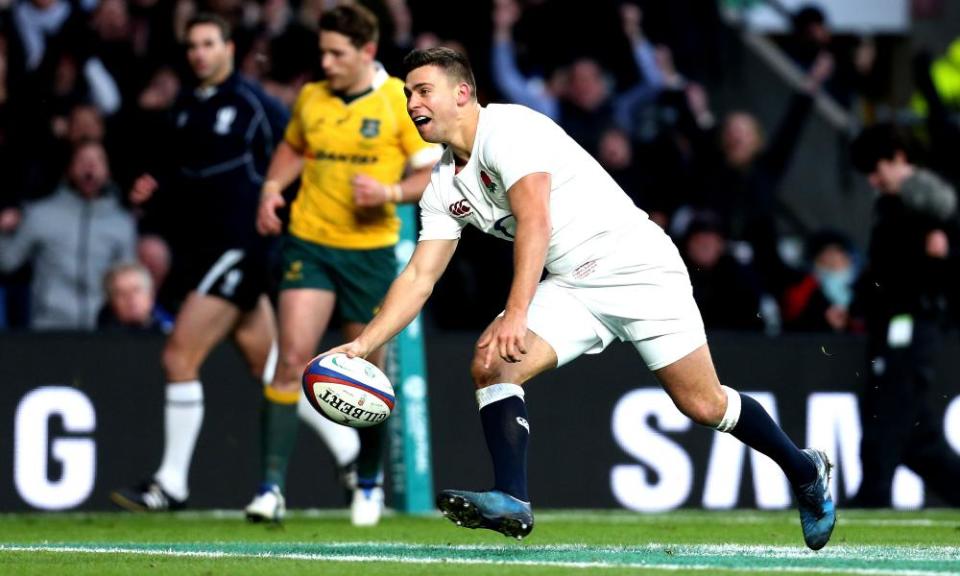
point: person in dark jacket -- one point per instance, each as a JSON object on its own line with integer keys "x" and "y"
{"x": 727, "y": 291}
{"x": 131, "y": 302}
{"x": 225, "y": 130}
{"x": 903, "y": 297}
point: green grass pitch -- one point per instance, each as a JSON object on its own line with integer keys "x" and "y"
{"x": 564, "y": 542}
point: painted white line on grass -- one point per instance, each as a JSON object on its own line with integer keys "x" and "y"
{"x": 369, "y": 558}
{"x": 572, "y": 515}
{"x": 837, "y": 552}
{"x": 594, "y": 517}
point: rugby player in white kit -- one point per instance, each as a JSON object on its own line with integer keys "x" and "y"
{"x": 612, "y": 274}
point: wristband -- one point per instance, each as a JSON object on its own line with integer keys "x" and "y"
{"x": 397, "y": 192}
{"x": 272, "y": 187}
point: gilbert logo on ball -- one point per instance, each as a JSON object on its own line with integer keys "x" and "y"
{"x": 349, "y": 391}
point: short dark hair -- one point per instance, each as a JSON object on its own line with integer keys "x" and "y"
{"x": 453, "y": 63}
{"x": 807, "y": 16}
{"x": 823, "y": 239}
{"x": 353, "y": 21}
{"x": 210, "y": 18}
{"x": 876, "y": 143}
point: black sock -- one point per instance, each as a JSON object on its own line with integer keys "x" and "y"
{"x": 757, "y": 430}
{"x": 507, "y": 431}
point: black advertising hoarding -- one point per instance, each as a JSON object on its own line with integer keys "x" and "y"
{"x": 82, "y": 414}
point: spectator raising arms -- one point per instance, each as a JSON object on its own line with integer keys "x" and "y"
{"x": 72, "y": 238}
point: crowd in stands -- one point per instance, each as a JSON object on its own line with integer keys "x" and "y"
{"x": 85, "y": 86}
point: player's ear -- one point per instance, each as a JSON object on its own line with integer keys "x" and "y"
{"x": 463, "y": 94}
{"x": 369, "y": 50}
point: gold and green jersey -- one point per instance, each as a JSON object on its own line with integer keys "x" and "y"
{"x": 371, "y": 134}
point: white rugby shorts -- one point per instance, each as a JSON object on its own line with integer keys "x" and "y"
{"x": 621, "y": 296}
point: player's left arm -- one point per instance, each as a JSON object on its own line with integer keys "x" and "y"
{"x": 529, "y": 199}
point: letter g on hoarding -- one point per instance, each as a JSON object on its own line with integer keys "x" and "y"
{"x": 77, "y": 456}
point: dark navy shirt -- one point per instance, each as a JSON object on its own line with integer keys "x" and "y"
{"x": 223, "y": 140}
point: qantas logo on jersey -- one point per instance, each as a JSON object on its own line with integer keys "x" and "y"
{"x": 488, "y": 182}
{"x": 460, "y": 208}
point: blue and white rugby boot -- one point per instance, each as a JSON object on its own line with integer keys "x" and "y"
{"x": 817, "y": 513}
{"x": 493, "y": 510}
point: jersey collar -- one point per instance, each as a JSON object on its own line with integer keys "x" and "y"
{"x": 380, "y": 77}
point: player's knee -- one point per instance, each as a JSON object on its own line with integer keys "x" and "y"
{"x": 291, "y": 365}
{"x": 178, "y": 363}
{"x": 705, "y": 410}
{"x": 484, "y": 376}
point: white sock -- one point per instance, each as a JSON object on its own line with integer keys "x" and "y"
{"x": 183, "y": 418}
{"x": 732, "y": 414}
{"x": 496, "y": 393}
{"x": 343, "y": 441}
{"x": 270, "y": 366}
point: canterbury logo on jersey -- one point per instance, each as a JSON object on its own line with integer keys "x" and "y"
{"x": 460, "y": 208}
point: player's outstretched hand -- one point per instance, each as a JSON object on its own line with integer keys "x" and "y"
{"x": 369, "y": 192}
{"x": 143, "y": 189}
{"x": 351, "y": 349}
{"x": 268, "y": 223}
{"x": 506, "y": 336}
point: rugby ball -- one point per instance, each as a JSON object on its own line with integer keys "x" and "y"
{"x": 349, "y": 391}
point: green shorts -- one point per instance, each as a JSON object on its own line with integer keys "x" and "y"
{"x": 359, "y": 278}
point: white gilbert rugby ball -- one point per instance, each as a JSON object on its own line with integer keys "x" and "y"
{"x": 349, "y": 391}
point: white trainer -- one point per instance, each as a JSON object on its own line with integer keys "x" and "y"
{"x": 267, "y": 506}
{"x": 367, "y": 506}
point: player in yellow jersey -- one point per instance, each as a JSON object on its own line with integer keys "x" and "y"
{"x": 350, "y": 139}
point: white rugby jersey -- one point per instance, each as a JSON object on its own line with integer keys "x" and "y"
{"x": 588, "y": 209}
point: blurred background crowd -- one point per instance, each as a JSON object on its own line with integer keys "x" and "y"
{"x": 735, "y": 142}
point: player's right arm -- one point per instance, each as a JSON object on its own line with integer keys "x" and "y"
{"x": 406, "y": 297}
{"x": 285, "y": 166}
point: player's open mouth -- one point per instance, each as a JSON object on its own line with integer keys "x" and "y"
{"x": 421, "y": 120}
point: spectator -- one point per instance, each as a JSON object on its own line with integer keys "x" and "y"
{"x": 741, "y": 178}
{"x": 903, "y": 298}
{"x": 131, "y": 304}
{"x": 855, "y": 58}
{"x": 71, "y": 238}
{"x": 943, "y": 75}
{"x": 615, "y": 153}
{"x": 726, "y": 290}
{"x": 154, "y": 254}
{"x": 937, "y": 84}
{"x": 37, "y": 21}
{"x": 577, "y": 96}
{"x": 820, "y": 301}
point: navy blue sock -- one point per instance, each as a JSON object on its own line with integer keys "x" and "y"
{"x": 507, "y": 431}
{"x": 757, "y": 430}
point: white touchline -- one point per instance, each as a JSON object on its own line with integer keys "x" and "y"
{"x": 455, "y": 560}
{"x": 621, "y": 518}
